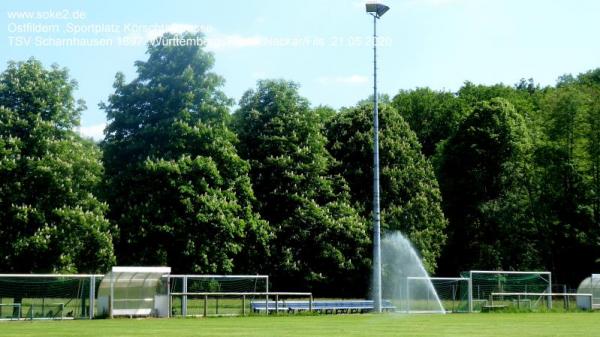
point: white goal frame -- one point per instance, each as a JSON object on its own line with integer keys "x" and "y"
{"x": 184, "y": 291}
{"x": 409, "y": 278}
{"x": 91, "y": 296}
{"x": 500, "y": 272}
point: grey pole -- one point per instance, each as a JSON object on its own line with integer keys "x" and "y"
{"x": 184, "y": 298}
{"x": 92, "y": 296}
{"x": 376, "y": 214}
{"x": 376, "y": 10}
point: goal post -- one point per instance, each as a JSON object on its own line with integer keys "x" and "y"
{"x": 451, "y": 291}
{"x": 483, "y": 283}
{"x": 202, "y": 295}
{"x": 48, "y": 296}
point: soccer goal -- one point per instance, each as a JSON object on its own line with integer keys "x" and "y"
{"x": 47, "y": 296}
{"x": 485, "y": 285}
{"x": 453, "y": 293}
{"x": 222, "y": 295}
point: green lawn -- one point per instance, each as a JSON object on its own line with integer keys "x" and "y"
{"x": 459, "y": 325}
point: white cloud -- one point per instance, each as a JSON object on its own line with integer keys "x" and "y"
{"x": 96, "y": 131}
{"x": 344, "y": 80}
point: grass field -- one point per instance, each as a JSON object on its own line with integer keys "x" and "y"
{"x": 454, "y": 325}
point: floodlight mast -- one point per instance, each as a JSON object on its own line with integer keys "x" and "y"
{"x": 376, "y": 10}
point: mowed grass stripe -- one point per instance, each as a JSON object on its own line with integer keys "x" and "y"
{"x": 453, "y": 325}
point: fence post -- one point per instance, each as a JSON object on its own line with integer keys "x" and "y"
{"x": 267, "y": 298}
{"x": 184, "y": 297}
{"x": 310, "y": 303}
{"x": 243, "y": 305}
{"x": 454, "y": 297}
{"x": 407, "y": 295}
{"x": 112, "y": 294}
{"x": 92, "y": 296}
{"x": 205, "y": 304}
{"x": 169, "y": 297}
{"x": 470, "y": 290}
{"x": 550, "y": 291}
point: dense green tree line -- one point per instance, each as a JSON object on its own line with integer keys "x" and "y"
{"x": 518, "y": 172}
{"x": 490, "y": 177}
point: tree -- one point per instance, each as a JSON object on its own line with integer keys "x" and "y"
{"x": 50, "y": 219}
{"x": 522, "y": 97}
{"x": 593, "y": 148}
{"x": 320, "y": 241}
{"x": 410, "y": 197}
{"x": 433, "y": 116}
{"x": 486, "y": 181}
{"x": 593, "y": 168}
{"x": 177, "y": 188}
{"x": 566, "y": 171}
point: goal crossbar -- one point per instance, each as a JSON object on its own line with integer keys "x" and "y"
{"x": 540, "y": 294}
{"x": 438, "y": 278}
{"x": 219, "y": 276}
{"x": 509, "y": 272}
{"x": 76, "y": 276}
{"x": 249, "y": 293}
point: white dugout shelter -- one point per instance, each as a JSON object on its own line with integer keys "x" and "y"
{"x": 135, "y": 291}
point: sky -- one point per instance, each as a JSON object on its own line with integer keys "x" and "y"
{"x": 324, "y": 45}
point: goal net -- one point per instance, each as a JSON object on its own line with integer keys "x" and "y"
{"x": 484, "y": 283}
{"x": 453, "y": 293}
{"x": 202, "y": 295}
{"x": 46, "y": 296}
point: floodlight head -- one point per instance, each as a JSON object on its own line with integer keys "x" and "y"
{"x": 376, "y": 9}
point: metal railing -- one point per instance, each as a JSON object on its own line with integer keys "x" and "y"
{"x": 521, "y": 296}
{"x": 244, "y": 295}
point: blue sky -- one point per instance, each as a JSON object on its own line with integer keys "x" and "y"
{"x": 323, "y": 45}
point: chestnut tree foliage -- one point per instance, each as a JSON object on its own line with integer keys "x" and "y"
{"x": 410, "y": 197}
{"x": 50, "y": 219}
{"x": 179, "y": 193}
{"x": 320, "y": 240}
